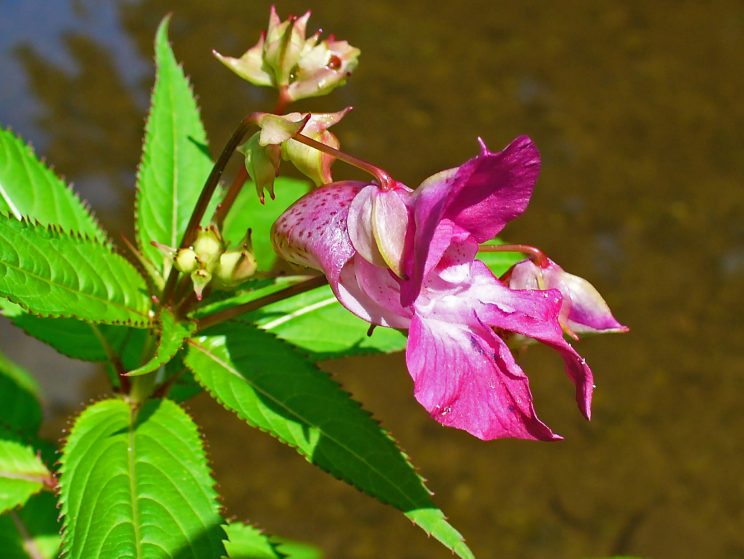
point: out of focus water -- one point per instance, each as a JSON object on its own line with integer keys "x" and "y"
{"x": 637, "y": 109}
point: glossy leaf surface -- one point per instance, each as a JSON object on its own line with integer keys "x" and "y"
{"x": 269, "y": 385}
{"x": 136, "y": 484}
{"x": 51, "y": 273}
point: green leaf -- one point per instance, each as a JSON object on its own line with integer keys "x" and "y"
{"x": 248, "y": 212}
{"x": 19, "y": 399}
{"x": 135, "y": 483}
{"x": 316, "y": 322}
{"x": 31, "y": 532}
{"x": 51, "y": 273}
{"x": 22, "y": 473}
{"x": 175, "y": 162}
{"x": 28, "y": 189}
{"x": 74, "y": 338}
{"x": 499, "y": 262}
{"x": 172, "y": 333}
{"x": 246, "y": 542}
{"x": 268, "y": 384}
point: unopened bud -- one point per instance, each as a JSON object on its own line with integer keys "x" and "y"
{"x": 208, "y": 247}
{"x": 200, "y": 278}
{"x": 186, "y": 261}
{"x": 234, "y": 268}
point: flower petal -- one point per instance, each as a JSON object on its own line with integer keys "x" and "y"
{"x": 533, "y": 314}
{"x": 480, "y": 197}
{"x": 312, "y": 232}
{"x": 466, "y": 377}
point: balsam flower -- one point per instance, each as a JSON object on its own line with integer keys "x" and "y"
{"x": 407, "y": 259}
{"x": 298, "y": 66}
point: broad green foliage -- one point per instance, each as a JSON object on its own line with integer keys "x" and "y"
{"x": 246, "y": 542}
{"x": 316, "y": 322}
{"x": 19, "y": 399}
{"x": 51, "y": 273}
{"x": 31, "y": 532}
{"x": 136, "y": 484}
{"x": 175, "y": 162}
{"x": 74, "y": 338}
{"x": 249, "y": 212}
{"x": 270, "y": 386}
{"x": 171, "y": 335}
{"x": 22, "y": 472}
{"x": 28, "y": 189}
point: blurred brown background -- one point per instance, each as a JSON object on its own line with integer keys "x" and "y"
{"x": 637, "y": 109}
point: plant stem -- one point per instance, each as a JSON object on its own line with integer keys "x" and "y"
{"x": 230, "y": 196}
{"x": 232, "y": 312}
{"x": 386, "y": 181}
{"x": 533, "y": 253}
{"x": 206, "y": 195}
{"x": 113, "y": 357}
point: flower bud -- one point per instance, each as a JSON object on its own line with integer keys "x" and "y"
{"x": 186, "y": 261}
{"x": 233, "y": 268}
{"x": 200, "y": 278}
{"x": 313, "y": 163}
{"x": 262, "y": 164}
{"x": 208, "y": 247}
{"x": 299, "y": 66}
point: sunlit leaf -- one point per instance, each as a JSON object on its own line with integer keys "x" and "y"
{"x": 22, "y": 473}
{"x": 171, "y": 335}
{"x": 31, "y": 532}
{"x": 135, "y": 483}
{"x": 51, "y": 273}
{"x": 316, "y": 322}
{"x": 248, "y": 212}
{"x": 175, "y": 162}
{"x": 246, "y": 542}
{"x": 19, "y": 399}
{"x": 269, "y": 385}
{"x": 28, "y": 189}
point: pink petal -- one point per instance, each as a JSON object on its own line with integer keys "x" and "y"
{"x": 480, "y": 197}
{"x": 360, "y": 225}
{"x": 466, "y": 377}
{"x": 312, "y": 232}
{"x": 533, "y": 314}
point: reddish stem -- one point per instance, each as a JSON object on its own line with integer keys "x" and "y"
{"x": 230, "y": 196}
{"x": 533, "y": 253}
{"x": 386, "y": 181}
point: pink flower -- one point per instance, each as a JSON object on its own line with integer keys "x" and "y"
{"x": 407, "y": 259}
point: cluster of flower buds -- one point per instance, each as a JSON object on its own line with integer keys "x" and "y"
{"x": 299, "y": 67}
{"x": 264, "y": 149}
{"x": 208, "y": 262}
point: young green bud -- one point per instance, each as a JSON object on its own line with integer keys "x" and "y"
{"x": 186, "y": 261}
{"x": 234, "y": 267}
{"x": 208, "y": 247}
{"x": 200, "y": 278}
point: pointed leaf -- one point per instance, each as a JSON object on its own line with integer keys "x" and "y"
{"x": 22, "y": 473}
{"x": 51, "y": 273}
{"x": 247, "y": 212}
{"x": 31, "y": 532}
{"x": 135, "y": 483}
{"x": 316, "y": 322}
{"x": 172, "y": 333}
{"x": 19, "y": 399}
{"x": 270, "y": 386}
{"x": 29, "y": 189}
{"x": 246, "y": 542}
{"x": 175, "y": 162}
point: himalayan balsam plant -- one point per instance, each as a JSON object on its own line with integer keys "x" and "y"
{"x": 197, "y": 303}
